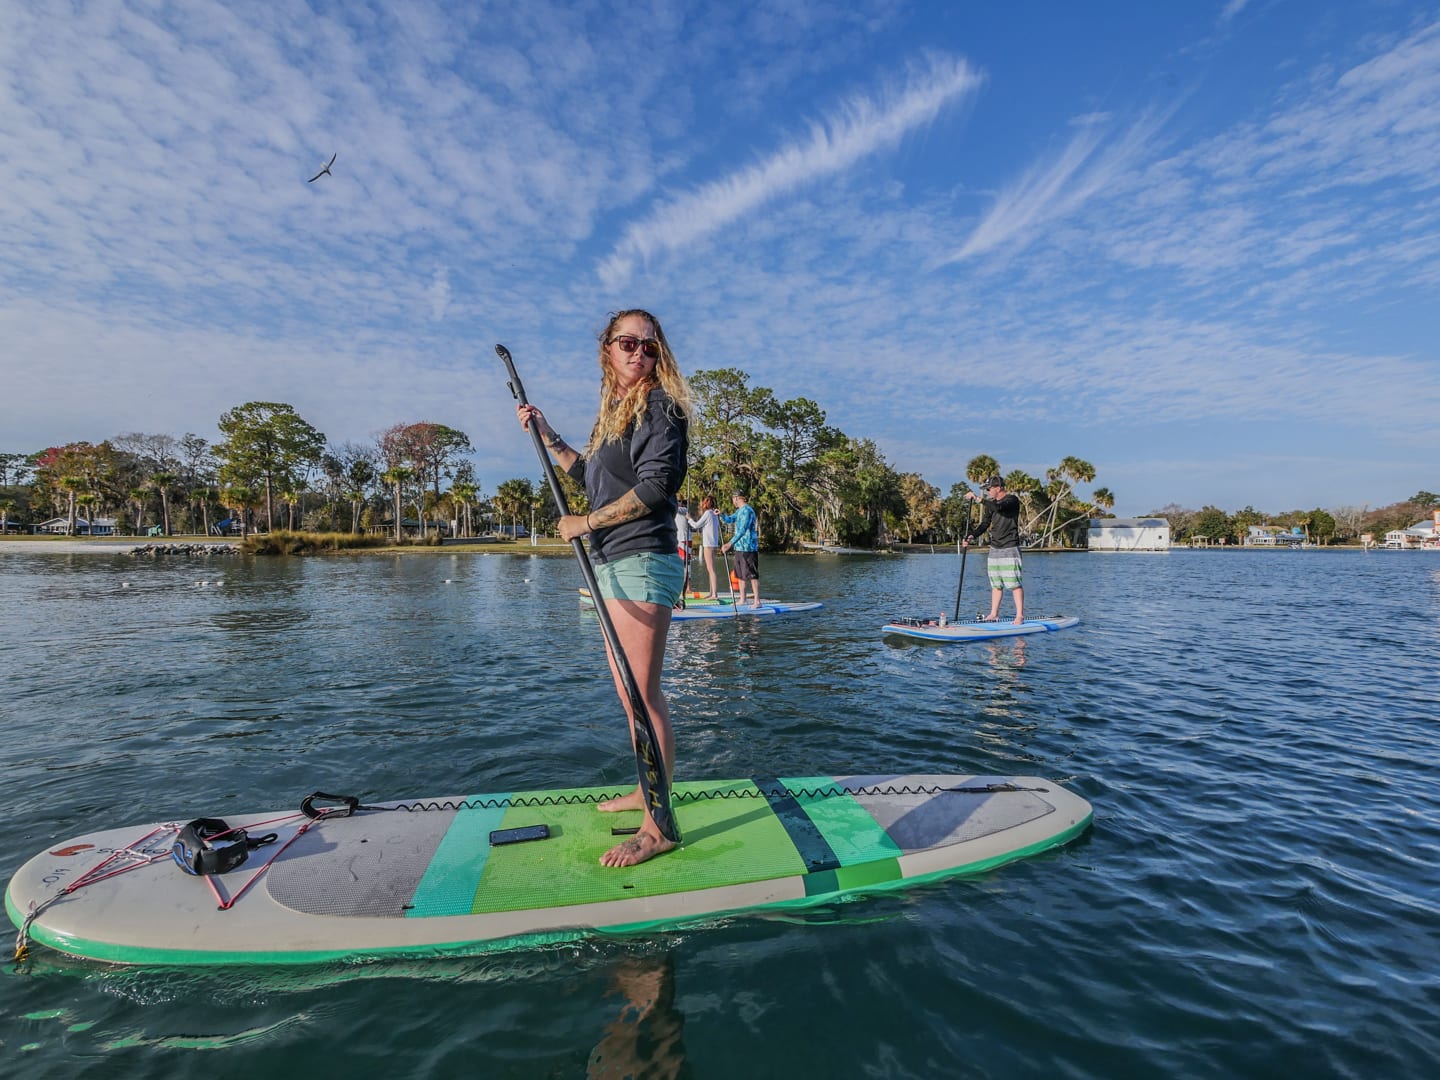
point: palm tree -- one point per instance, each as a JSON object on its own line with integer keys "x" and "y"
{"x": 73, "y": 486}
{"x": 89, "y": 500}
{"x": 1062, "y": 480}
{"x": 513, "y": 497}
{"x": 358, "y": 477}
{"x": 137, "y": 496}
{"x": 981, "y": 468}
{"x": 396, "y": 476}
{"x": 201, "y": 496}
{"x": 292, "y": 495}
{"x": 163, "y": 482}
{"x": 465, "y": 493}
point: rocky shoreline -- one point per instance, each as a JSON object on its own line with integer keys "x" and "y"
{"x": 157, "y": 550}
{"x": 108, "y": 546}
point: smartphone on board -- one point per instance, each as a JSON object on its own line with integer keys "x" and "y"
{"x": 520, "y": 835}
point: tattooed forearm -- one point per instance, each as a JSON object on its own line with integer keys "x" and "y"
{"x": 555, "y": 442}
{"x": 627, "y": 507}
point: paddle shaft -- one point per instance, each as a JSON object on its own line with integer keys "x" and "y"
{"x": 734, "y": 600}
{"x": 964, "y": 550}
{"x": 729, "y": 580}
{"x": 649, "y": 762}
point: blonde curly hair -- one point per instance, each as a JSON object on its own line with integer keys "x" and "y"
{"x": 618, "y": 414}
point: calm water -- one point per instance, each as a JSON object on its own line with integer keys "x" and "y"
{"x": 1260, "y": 895}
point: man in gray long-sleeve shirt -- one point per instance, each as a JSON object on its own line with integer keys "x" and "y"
{"x": 1001, "y": 518}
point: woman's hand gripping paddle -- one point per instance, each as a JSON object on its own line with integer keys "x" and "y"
{"x": 654, "y": 782}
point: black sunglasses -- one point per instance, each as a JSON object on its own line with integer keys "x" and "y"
{"x": 629, "y": 343}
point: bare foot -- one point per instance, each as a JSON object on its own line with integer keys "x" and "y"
{"x": 636, "y": 849}
{"x": 634, "y": 801}
{"x": 1020, "y": 620}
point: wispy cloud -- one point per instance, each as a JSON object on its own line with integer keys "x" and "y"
{"x": 863, "y": 126}
{"x": 1259, "y": 261}
{"x": 1052, "y": 190}
{"x": 1231, "y": 9}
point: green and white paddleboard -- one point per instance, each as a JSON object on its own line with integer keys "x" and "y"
{"x": 422, "y": 877}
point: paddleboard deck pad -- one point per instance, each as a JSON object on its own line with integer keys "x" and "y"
{"x": 931, "y": 630}
{"x": 725, "y": 608}
{"x": 422, "y": 878}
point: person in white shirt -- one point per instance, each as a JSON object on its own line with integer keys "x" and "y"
{"x": 682, "y": 545}
{"x": 708, "y": 523}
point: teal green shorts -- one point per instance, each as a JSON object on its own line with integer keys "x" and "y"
{"x": 646, "y": 576}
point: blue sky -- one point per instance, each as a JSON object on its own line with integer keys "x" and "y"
{"x": 1196, "y": 244}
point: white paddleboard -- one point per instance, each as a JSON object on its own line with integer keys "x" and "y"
{"x": 424, "y": 878}
{"x": 932, "y": 630}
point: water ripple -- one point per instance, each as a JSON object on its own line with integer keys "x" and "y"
{"x": 1260, "y": 894}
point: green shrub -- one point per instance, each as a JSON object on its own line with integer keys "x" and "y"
{"x": 284, "y": 542}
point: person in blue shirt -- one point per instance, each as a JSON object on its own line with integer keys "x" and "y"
{"x": 746, "y": 544}
{"x": 632, "y": 469}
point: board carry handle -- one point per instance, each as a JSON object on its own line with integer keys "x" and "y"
{"x": 308, "y": 808}
{"x": 654, "y": 783}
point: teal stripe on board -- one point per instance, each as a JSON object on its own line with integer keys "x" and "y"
{"x": 850, "y": 830}
{"x": 450, "y": 881}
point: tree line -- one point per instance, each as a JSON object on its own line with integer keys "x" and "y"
{"x": 805, "y": 477}
{"x": 270, "y": 468}
{"x": 1341, "y": 524}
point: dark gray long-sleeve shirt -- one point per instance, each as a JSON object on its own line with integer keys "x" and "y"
{"x": 1002, "y": 519}
{"x": 651, "y": 458}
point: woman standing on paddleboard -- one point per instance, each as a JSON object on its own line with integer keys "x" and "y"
{"x": 632, "y": 469}
{"x": 708, "y": 524}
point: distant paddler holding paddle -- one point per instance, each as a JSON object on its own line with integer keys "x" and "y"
{"x": 1000, "y": 517}
{"x": 632, "y": 470}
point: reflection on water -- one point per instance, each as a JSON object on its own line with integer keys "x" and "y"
{"x": 646, "y": 1038}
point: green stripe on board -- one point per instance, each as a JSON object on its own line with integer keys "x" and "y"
{"x": 448, "y": 887}
{"x": 863, "y": 876}
{"x": 809, "y": 841}
{"x": 727, "y": 841}
{"x": 853, "y": 835}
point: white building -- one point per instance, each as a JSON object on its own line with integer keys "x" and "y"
{"x": 1423, "y": 534}
{"x": 1129, "y": 534}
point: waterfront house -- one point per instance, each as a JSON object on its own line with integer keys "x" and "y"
{"x": 1423, "y": 534}
{"x": 1274, "y": 536}
{"x": 60, "y": 526}
{"x": 1128, "y": 534}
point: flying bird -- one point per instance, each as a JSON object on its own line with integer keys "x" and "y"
{"x": 325, "y": 171}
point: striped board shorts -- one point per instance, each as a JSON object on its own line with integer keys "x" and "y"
{"x": 1003, "y": 566}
